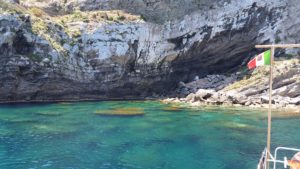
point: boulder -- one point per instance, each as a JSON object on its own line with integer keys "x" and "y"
{"x": 294, "y": 90}
{"x": 204, "y": 94}
{"x": 254, "y": 90}
{"x": 46, "y": 60}
{"x": 291, "y": 90}
{"x": 248, "y": 103}
{"x": 222, "y": 97}
{"x": 215, "y": 97}
{"x": 295, "y": 101}
{"x": 264, "y": 99}
{"x": 240, "y": 99}
{"x": 191, "y": 97}
{"x": 256, "y": 100}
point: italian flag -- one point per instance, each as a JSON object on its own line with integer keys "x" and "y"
{"x": 260, "y": 60}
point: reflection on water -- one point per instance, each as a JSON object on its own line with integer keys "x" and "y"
{"x": 115, "y": 135}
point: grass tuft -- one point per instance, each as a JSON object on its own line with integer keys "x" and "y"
{"x": 37, "y": 12}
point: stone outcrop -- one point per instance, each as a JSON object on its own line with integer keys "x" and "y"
{"x": 104, "y": 55}
{"x": 250, "y": 89}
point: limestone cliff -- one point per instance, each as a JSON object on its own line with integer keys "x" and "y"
{"x": 63, "y": 51}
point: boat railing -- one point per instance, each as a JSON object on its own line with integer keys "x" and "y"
{"x": 273, "y": 159}
{"x": 285, "y": 161}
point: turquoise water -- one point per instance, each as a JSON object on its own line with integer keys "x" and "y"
{"x": 71, "y": 135}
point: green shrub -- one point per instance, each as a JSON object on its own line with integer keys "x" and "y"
{"x": 35, "y": 57}
{"x": 121, "y": 18}
{"x": 63, "y": 23}
{"x": 63, "y": 41}
{"x": 142, "y": 17}
{"x": 86, "y": 20}
{"x": 38, "y": 26}
{"x": 277, "y": 39}
{"x": 73, "y": 43}
{"x": 110, "y": 18}
{"x": 76, "y": 33}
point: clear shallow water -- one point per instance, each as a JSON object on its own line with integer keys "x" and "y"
{"x": 71, "y": 135}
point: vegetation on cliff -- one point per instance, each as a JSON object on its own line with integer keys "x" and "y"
{"x": 46, "y": 25}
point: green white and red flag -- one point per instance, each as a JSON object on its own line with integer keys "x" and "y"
{"x": 260, "y": 60}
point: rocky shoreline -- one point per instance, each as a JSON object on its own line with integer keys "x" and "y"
{"x": 275, "y": 107}
{"x": 245, "y": 89}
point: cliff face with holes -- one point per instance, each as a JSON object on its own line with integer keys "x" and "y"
{"x": 132, "y": 49}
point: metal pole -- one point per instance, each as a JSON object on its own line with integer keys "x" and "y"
{"x": 279, "y": 46}
{"x": 270, "y": 106}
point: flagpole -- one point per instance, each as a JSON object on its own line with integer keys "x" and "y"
{"x": 272, "y": 47}
{"x": 270, "y": 105}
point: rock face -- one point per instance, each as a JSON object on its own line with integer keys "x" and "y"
{"x": 49, "y": 58}
{"x": 12, "y": 1}
{"x": 158, "y": 11}
{"x": 216, "y": 82}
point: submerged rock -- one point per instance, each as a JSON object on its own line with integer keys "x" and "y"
{"x": 52, "y": 129}
{"x": 121, "y": 112}
{"x": 172, "y": 108}
{"x": 4, "y": 132}
{"x": 49, "y": 113}
{"x": 26, "y": 121}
